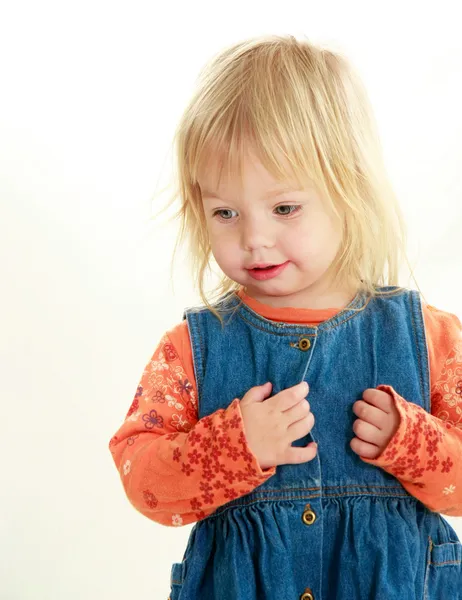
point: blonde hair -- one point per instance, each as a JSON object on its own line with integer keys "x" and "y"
{"x": 294, "y": 99}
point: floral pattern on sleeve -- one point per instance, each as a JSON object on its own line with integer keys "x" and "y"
{"x": 424, "y": 454}
{"x": 177, "y": 469}
{"x": 447, "y": 390}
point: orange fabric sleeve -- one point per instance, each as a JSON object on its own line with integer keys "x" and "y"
{"x": 176, "y": 469}
{"x": 425, "y": 452}
{"x": 160, "y": 450}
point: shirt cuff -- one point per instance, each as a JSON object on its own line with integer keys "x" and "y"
{"x": 390, "y": 458}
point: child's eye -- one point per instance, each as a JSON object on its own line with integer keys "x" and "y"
{"x": 224, "y": 213}
{"x": 288, "y": 209}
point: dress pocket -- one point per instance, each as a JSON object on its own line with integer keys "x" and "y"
{"x": 176, "y": 580}
{"x": 443, "y": 574}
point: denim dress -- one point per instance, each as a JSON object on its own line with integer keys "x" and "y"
{"x": 334, "y": 527}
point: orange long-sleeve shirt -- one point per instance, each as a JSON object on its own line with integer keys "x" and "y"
{"x": 177, "y": 469}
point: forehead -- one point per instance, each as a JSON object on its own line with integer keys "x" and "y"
{"x": 219, "y": 179}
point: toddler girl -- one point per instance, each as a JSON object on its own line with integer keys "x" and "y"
{"x": 308, "y": 419}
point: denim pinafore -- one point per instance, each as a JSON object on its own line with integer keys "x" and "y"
{"x": 335, "y": 527}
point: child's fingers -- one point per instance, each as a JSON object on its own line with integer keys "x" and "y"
{"x": 290, "y": 397}
{"x": 369, "y": 413}
{"x": 364, "y": 449}
{"x": 378, "y": 398}
{"x": 367, "y": 432}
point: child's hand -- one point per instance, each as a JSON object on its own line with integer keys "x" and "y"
{"x": 272, "y": 425}
{"x": 378, "y": 422}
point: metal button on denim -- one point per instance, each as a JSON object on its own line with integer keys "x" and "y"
{"x": 309, "y": 516}
{"x": 307, "y": 595}
{"x": 304, "y": 344}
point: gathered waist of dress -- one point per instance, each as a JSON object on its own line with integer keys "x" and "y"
{"x": 315, "y": 493}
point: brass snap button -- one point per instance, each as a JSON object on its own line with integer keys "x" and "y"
{"x": 308, "y": 516}
{"x": 307, "y": 595}
{"x": 304, "y": 344}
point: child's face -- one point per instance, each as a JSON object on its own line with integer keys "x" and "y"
{"x": 248, "y": 226}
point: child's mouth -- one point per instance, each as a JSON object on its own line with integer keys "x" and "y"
{"x": 263, "y": 273}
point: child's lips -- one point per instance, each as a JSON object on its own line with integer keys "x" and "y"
{"x": 261, "y": 265}
{"x": 263, "y": 273}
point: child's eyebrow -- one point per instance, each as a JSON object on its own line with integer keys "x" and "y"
{"x": 269, "y": 193}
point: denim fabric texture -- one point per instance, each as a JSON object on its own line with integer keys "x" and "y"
{"x": 334, "y": 527}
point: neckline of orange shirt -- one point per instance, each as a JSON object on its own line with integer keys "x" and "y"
{"x": 288, "y": 314}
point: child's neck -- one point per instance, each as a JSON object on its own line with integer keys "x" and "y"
{"x": 305, "y": 299}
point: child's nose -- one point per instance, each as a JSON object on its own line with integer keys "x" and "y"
{"x": 255, "y": 235}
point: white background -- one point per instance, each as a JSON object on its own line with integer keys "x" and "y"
{"x": 90, "y": 95}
